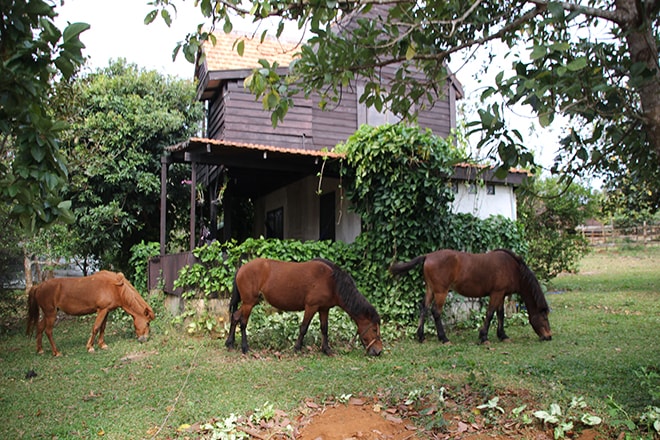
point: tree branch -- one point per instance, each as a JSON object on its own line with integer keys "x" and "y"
{"x": 592, "y": 12}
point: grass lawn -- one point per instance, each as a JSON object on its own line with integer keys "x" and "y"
{"x": 605, "y": 322}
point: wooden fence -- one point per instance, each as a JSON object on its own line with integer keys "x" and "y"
{"x": 602, "y": 234}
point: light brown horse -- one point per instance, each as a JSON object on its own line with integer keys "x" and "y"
{"x": 495, "y": 274}
{"x": 101, "y": 292}
{"x": 313, "y": 286}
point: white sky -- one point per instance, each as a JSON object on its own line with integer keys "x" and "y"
{"x": 118, "y": 31}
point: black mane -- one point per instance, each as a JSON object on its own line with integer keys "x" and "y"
{"x": 352, "y": 300}
{"x": 528, "y": 282}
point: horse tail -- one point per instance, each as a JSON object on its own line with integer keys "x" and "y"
{"x": 33, "y": 311}
{"x": 529, "y": 284}
{"x": 235, "y": 298}
{"x": 399, "y": 268}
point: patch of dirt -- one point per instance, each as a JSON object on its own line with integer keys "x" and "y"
{"x": 357, "y": 421}
{"x": 372, "y": 419}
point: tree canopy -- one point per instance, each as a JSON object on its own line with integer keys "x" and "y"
{"x": 120, "y": 119}
{"x": 32, "y": 53}
{"x": 593, "y": 62}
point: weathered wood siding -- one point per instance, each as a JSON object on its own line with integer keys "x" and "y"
{"x": 335, "y": 124}
{"x": 216, "y": 115}
{"x": 245, "y": 120}
{"x": 235, "y": 115}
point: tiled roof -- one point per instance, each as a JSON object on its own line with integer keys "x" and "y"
{"x": 249, "y": 146}
{"x": 223, "y": 56}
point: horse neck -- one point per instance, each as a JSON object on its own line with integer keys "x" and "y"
{"x": 132, "y": 302}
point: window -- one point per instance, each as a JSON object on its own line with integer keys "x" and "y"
{"x": 490, "y": 189}
{"x": 454, "y": 187}
{"x": 472, "y": 188}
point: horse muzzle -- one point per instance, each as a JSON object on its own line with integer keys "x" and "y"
{"x": 143, "y": 338}
{"x": 374, "y": 351}
{"x": 374, "y": 348}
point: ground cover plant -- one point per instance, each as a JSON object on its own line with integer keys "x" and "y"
{"x": 601, "y": 364}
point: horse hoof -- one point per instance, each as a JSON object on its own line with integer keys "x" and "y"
{"x": 58, "y": 354}
{"x": 103, "y": 347}
{"x": 507, "y": 340}
{"x": 90, "y": 350}
{"x": 486, "y": 342}
{"x": 446, "y": 342}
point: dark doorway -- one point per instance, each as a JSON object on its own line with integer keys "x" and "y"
{"x": 275, "y": 223}
{"x": 327, "y": 217}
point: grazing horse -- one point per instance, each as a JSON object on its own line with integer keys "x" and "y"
{"x": 312, "y": 286}
{"x": 495, "y": 274}
{"x": 101, "y": 292}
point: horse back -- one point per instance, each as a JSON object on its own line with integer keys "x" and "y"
{"x": 287, "y": 285}
{"x": 80, "y": 295}
{"x": 472, "y": 275}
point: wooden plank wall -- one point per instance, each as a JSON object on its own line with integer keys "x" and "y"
{"x": 336, "y": 124}
{"x": 247, "y": 121}
{"x": 235, "y": 115}
{"x": 216, "y": 115}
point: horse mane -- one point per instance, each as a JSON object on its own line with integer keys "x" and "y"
{"x": 353, "y": 301}
{"x": 528, "y": 281}
{"x": 133, "y": 299}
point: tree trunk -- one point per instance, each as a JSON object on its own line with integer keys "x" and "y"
{"x": 27, "y": 268}
{"x": 638, "y": 28}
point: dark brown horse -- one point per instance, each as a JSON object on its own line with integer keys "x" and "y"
{"x": 99, "y": 293}
{"x": 495, "y": 274}
{"x": 313, "y": 286}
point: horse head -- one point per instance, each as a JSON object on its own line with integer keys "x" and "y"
{"x": 541, "y": 324}
{"x": 369, "y": 332}
{"x": 141, "y": 322}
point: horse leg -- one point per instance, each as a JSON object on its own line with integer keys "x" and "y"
{"x": 325, "y": 346}
{"x": 440, "y": 329}
{"x": 304, "y": 325}
{"x": 48, "y": 324}
{"x": 244, "y": 315}
{"x": 500, "y": 324}
{"x": 440, "y": 299}
{"x": 423, "y": 310}
{"x": 100, "y": 317}
{"x": 40, "y": 330}
{"x": 496, "y": 303}
{"x": 102, "y": 344}
{"x": 231, "y": 337}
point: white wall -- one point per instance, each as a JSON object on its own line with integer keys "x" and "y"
{"x": 482, "y": 204}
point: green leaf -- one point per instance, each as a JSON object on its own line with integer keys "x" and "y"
{"x": 577, "y": 64}
{"x": 228, "y": 26}
{"x": 73, "y": 31}
{"x": 590, "y": 420}
{"x": 410, "y": 52}
{"x": 38, "y": 153}
{"x": 166, "y": 17}
{"x": 150, "y": 17}
{"x": 240, "y": 47}
{"x": 538, "y": 52}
